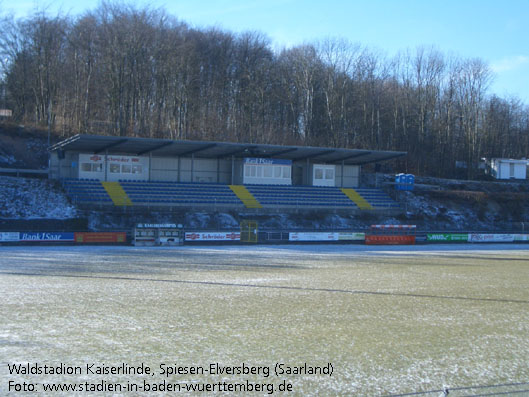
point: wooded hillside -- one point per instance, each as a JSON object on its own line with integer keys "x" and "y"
{"x": 126, "y": 71}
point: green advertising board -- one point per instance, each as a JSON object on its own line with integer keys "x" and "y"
{"x": 351, "y": 236}
{"x": 447, "y": 237}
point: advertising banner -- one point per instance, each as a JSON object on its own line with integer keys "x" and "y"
{"x": 46, "y": 236}
{"x": 9, "y": 236}
{"x": 390, "y": 240}
{"x": 314, "y": 236}
{"x": 261, "y": 161}
{"x": 92, "y": 166}
{"x": 102, "y": 237}
{"x": 157, "y": 225}
{"x": 448, "y": 237}
{"x": 213, "y": 236}
{"x": 351, "y": 236}
{"x": 325, "y": 236}
{"x": 521, "y": 237}
{"x": 490, "y": 238}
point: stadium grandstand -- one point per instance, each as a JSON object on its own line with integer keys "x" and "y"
{"x": 122, "y": 171}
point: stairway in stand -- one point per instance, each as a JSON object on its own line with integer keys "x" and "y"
{"x": 245, "y": 196}
{"x": 117, "y": 194}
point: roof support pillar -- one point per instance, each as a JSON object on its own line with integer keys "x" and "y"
{"x": 192, "y": 167}
{"x": 343, "y": 163}
{"x": 308, "y": 172}
{"x": 59, "y": 167}
{"x": 232, "y": 169}
{"x": 150, "y": 166}
{"x": 106, "y": 165}
{"x": 178, "y": 171}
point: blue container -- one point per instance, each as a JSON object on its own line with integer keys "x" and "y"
{"x": 410, "y": 181}
{"x": 399, "y": 180}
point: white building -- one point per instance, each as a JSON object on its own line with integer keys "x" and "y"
{"x": 508, "y": 168}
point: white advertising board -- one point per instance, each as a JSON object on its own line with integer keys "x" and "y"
{"x": 157, "y": 226}
{"x": 9, "y": 236}
{"x": 490, "y": 238}
{"x": 213, "y": 236}
{"x": 521, "y": 237}
{"x": 325, "y": 236}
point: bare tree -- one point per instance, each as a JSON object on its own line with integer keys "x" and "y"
{"x": 474, "y": 79}
{"x": 139, "y": 72}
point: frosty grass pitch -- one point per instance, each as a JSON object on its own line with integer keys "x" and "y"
{"x": 389, "y": 320}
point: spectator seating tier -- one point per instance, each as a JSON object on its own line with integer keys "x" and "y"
{"x": 145, "y": 193}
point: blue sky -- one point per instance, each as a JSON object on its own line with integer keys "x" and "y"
{"x": 496, "y": 31}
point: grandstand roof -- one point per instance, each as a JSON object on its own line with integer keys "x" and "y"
{"x": 171, "y": 148}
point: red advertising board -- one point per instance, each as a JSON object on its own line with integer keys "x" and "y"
{"x": 389, "y": 240}
{"x": 100, "y": 237}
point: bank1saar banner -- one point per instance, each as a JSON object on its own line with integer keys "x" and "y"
{"x": 46, "y": 236}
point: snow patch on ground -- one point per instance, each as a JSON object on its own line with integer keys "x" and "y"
{"x": 25, "y": 198}
{"x": 7, "y": 159}
{"x": 197, "y": 220}
{"x": 227, "y": 220}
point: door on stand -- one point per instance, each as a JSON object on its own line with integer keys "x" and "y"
{"x": 249, "y": 231}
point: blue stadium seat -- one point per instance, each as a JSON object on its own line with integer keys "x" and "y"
{"x": 210, "y": 194}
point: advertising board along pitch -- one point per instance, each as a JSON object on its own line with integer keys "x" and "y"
{"x": 391, "y": 235}
{"x": 213, "y": 236}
